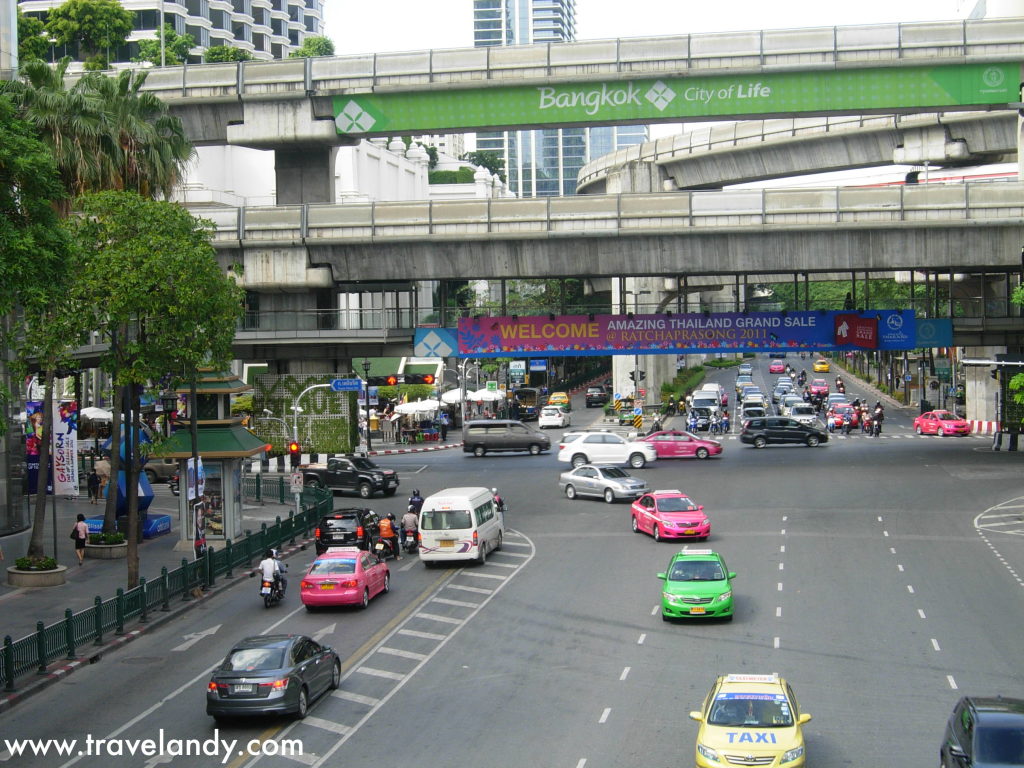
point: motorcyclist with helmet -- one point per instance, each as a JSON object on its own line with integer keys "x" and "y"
{"x": 388, "y": 534}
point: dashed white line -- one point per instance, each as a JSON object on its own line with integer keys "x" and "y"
{"x": 879, "y": 518}
{"x": 581, "y": 763}
{"x": 892, "y": 550}
{"x": 782, "y": 548}
{"x": 781, "y": 566}
{"x": 778, "y": 611}
{"x": 782, "y": 532}
{"x": 921, "y": 614}
{"x": 775, "y": 643}
{"x": 951, "y": 681}
{"x": 910, "y": 589}
{"x": 654, "y": 610}
{"x": 625, "y": 673}
{"x": 604, "y": 715}
{"x": 885, "y": 533}
{"x": 785, "y": 518}
{"x": 935, "y": 644}
{"x": 780, "y": 586}
{"x": 640, "y": 640}
{"x": 899, "y": 567}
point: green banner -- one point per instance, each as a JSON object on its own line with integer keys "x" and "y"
{"x": 666, "y": 99}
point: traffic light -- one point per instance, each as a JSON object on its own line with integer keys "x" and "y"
{"x": 390, "y": 380}
{"x": 295, "y": 451}
{"x": 420, "y": 378}
{"x": 637, "y": 375}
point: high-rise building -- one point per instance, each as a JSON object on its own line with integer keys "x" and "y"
{"x": 545, "y": 162}
{"x": 268, "y": 29}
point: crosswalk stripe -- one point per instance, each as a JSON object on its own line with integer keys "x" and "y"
{"x": 459, "y": 603}
{"x": 327, "y": 725}
{"x": 442, "y": 619}
{"x": 380, "y": 673}
{"x": 484, "y": 575}
{"x": 422, "y": 635}
{"x": 477, "y": 590}
{"x": 402, "y": 654}
{"x": 509, "y": 554}
{"x": 357, "y": 698}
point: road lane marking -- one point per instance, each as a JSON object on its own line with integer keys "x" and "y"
{"x": 194, "y": 637}
{"x": 778, "y": 611}
{"x": 477, "y": 590}
{"x": 303, "y": 758}
{"x": 484, "y": 575}
{"x": 494, "y": 563}
{"x": 779, "y": 586}
{"x": 435, "y": 617}
{"x": 503, "y": 553}
{"x": 781, "y": 566}
{"x": 640, "y": 640}
{"x": 581, "y": 763}
{"x": 385, "y": 673}
{"x": 654, "y": 610}
{"x": 892, "y": 550}
{"x": 775, "y": 643}
{"x": 885, "y": 533}
{"x": 899, "y": 567}
{"x": 407, "y": 566}
{"x": 935, "y": 644}
{"x": 604, "y": 715}
{"x": 507, "y": 543}
{"x": 782, "y": 548}
{"x": 782, "y": 532}
{"x": 910, "y": 589}
{"x": 355, "y": 698}
{"x": 921, "y": 613}
{"x": 459, "y": 603}
{"x": 327, "y": 725}
{"x": 951, "y": 681}
{"x": 422, "y": 635}
{"x": 402, "y": 654}
{"x": 625, "y": 673}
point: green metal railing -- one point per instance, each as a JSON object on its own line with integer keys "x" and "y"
{"x": 71, "y": 636}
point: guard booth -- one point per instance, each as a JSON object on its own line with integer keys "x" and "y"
{"x": 210, "y": 501}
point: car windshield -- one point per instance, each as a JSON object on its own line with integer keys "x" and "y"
{"x": 696, "y": 570}
{"x": 250, "y": 659}
{"x": 445, "y": 519}
{"x": 361, "y": 463}
{"x": 676, "y": 504}
{"x": 614, "y": 472}
{"x": 341, "y": 524}
{"x": 947, "y": 417}
{"x": 550, "y": 412}
{"x": 332, "y": 566}
{"x": 760, "y": 710}
{"x": 1000, "y": 746}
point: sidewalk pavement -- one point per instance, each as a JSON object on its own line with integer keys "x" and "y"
{"x": 22, "y": 607}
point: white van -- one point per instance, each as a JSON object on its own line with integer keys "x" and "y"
{"x": 460, "y": 524}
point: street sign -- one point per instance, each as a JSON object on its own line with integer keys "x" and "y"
{"x": 296, "y": 482}
{"x": 492, "y": 386}
{"x": 538, "y": 364}
{"x": 617, "y": 396}
{"x": 909, "y": 377}
{"x": 346, "y": 385}
{"x": 638, "y": 411}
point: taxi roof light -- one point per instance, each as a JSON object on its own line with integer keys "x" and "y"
{"x": 747, "y": 678}
{"x": 686, "y": 551}
{"x": 668, "y": 490}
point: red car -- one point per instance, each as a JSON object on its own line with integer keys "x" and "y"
{"x": 777, "y": 366}
{"x": 344, "y": 576}
{"x": 941, "y": 423}
{"x": 819, "y": 387}
{"x": 843, "y": 413}
{"x": 669, "y": 515}
{"x": 673, "y": 444}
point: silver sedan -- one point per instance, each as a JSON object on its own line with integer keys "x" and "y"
{"x": 604, "y": 481}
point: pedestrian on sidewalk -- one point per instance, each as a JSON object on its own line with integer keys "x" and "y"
{"x": 102, "y": 468}
{"x": 80, "y": 533}
{"x": 93, "y": 483}
{"x": 445, "y": 422}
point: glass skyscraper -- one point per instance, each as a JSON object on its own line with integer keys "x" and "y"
{"x": 541, "y": 163}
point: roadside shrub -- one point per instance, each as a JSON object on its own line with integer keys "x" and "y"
{"x": 35, "y": 563}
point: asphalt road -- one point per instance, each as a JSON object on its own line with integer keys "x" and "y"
{"x": 881, "y": 577}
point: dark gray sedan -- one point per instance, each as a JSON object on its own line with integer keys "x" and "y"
{"x": 272, "y": 674}
{"x": 603, "y": 481}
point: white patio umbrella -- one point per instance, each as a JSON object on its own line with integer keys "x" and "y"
{"x": 484, "y": 394}
{"x": 452, "y": 396}
{"x": 96, "y": 414}
{"x": 420, "y": 406}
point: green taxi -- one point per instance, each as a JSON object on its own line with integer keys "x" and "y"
{"x": 697, "y": 584}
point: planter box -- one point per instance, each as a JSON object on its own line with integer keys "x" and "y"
{"x": 106, "y": 551}
{"x": 52, "y": 578}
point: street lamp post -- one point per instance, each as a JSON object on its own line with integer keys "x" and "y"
{"x": 636, "y": 358}
{"x": 366, "y": 373}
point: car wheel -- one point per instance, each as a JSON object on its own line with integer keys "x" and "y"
{"x": 760, "y": 442}
{"x": 637, "y": 461}
{"x": 311, "y": 609}
{"x": 664, "y": 617}
{"x": 314, "y": 483}
{"x": 366, "y": 598}
{"x": 635, "y": 524}
{"x": 702, "y": 453}
{"x": 941, "y": 432}
{"x": 365, "y": 491}
{"x": 303, "y": 706}
{"x": 387, "y": 583}
{"x": 336, "y": 675}
{"x": 919, "y": 430}
{"x": 812, "y": 440}
{"x": 151, "y": 476}
{"x": 579, "y": 460}
{"x": 481, "y": 556}
{"x": 570, "y": 492}
{"x": 656, "y": 532}
{"x": 609, "y": 495}
{"x": 534, "y": 449}
{"x": 479, "y": 451}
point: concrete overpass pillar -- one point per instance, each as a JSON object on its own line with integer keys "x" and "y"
{"x": 305, "y": 174}
{"x": 980, "y": 388}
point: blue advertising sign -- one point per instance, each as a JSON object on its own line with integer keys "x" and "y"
{"x": 346, "y": 385}
{"x": 583, "y": 335}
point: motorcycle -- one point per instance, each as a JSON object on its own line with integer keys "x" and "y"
{"x": 272, "y": 592}
{"x": 172, "y": 483}
{"x": 383, "y": 549}
{"x": 412, "y": 543}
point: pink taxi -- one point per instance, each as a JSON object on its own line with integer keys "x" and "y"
{"x": 776, "y": 366}
{"x": 344, "y": 576}
{"x": 675, "y": 444}
{"x": 669, "y": 515}
{"x": 940, "y": 423}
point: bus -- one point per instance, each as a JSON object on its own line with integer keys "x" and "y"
{"x": 529, "y": 401}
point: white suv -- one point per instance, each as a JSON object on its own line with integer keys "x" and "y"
{"x": 604, "y": 448}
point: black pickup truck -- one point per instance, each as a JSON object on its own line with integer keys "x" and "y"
{"x": 351, "y": 474}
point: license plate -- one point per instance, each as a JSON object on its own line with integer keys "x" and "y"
{"x": 446, "y": 544}
{"x": 265, "y": 591}
{"x": 392, "y": 482}
{"x": 696, "y": 610}
{"x": 689, "y": 531}
{"x": 327, "y": 586}
{"x": 243, "y": 688}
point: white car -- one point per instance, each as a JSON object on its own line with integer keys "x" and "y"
{"x": 805, "y": 413}
{"x": 581, "y": 448}
{"x": 553, "y": 416}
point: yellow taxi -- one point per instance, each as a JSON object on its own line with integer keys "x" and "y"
{"x": 559, "y": 398}
{"x": 750, "y": 720}
{"x": 822, "y": 366}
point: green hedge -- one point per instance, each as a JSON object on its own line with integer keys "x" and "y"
{"x": 462, "y": 176}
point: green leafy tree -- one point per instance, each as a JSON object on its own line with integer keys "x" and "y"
{"x": 162, "y": 304}
{"x": 222, "y": 53}
{"x": 489, "y": 160}
{"x": 313, "y": 46}
{"x": 33, "y": 42}
{"x": 95, "y": 26}
{"x": 175, "y": 48}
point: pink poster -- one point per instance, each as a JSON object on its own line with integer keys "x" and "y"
{"x": 65, "y": 449}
